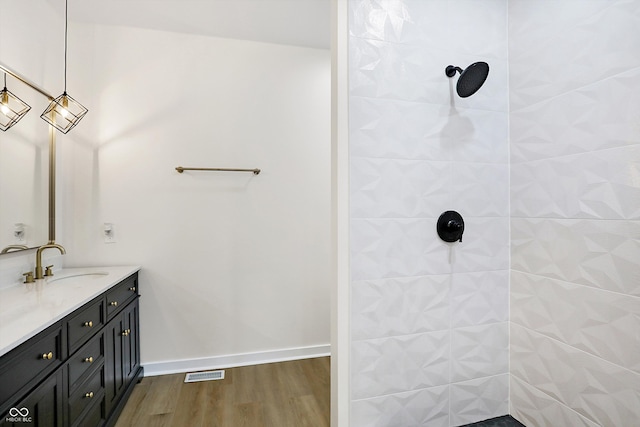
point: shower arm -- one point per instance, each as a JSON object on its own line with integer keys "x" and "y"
{"x": 451, "y": 70}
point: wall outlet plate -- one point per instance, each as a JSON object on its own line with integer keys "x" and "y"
{"x": 109, "y": 233}
{"x": 19, "y": 234}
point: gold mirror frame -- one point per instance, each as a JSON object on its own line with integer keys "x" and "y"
{"x": 52, "y": 154}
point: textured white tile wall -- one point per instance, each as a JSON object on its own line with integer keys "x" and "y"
{"x": 597, "y": 253}
{"x": 429, "y": 319}
{"x": 565, "y": 46}
{"x": 424, "y": 407}
{"x": 420, "y": 306}
{"x": 602, "y": 323}
{"x": 602, "y": 392}
{"x": 534, "y": 408}
{"x": 543, "y": 130}
{"x": 575, "y": 205}
{"x": 481, "y": 398}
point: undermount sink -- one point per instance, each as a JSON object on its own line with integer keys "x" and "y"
{"x": 78, "y": 276}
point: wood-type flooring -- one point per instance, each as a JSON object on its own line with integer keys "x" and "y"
{"x": 286, "y": 394}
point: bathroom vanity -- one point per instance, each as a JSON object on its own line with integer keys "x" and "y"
{"x": 69, "y": 348}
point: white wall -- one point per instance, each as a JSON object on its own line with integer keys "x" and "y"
{"x": 428, "y": 319}
{"x": 232, "y": 263}
{"x": 575, "y": 206}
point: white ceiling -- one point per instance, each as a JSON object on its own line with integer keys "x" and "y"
{"x": 293, "y": 22}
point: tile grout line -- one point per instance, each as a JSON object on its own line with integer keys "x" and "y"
{"x": 416, "y": 390}
{"x": 450, "y": 328}
{"x": 552, "y": 218}
{"x": 595, "y": 288}
{"x": 505, "y": 270}
{"x": 628, "y": 146}
{"x": 430, "y": 160}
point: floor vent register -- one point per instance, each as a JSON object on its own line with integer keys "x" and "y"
{"x": 193, "y": 377}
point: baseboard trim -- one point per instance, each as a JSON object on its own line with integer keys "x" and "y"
{"x": 235, "y": 360}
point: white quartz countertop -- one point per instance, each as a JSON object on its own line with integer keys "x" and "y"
{"x": 27, "y": 309}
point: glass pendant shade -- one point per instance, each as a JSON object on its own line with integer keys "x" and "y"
{"x": 12, "y": 109}
{"x": 64, "y": 113}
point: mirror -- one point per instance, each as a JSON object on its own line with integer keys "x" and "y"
{"x": 25, "y": 156}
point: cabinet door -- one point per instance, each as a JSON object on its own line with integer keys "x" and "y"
{"x": 113, "y": 359}
{"x": 122, "y": 356}
{"x": 131, "y": 342}
{"x": 43, "y": 407}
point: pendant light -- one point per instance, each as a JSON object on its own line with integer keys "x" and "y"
{"x": 12, "y": 108}
{"x": 64, "y": 112}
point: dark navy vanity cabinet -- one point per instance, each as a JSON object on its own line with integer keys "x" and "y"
{"x": 80, "y": 371}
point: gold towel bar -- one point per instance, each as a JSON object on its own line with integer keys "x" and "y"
{"x": 255, "y": 171}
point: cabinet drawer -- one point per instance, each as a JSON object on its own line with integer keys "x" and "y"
{"x": 30, "y": 361}
{"x": 84, "y": 324}
{"x": 87, "y": 393}
{"x": 90, "y": 355}
{"x": 121, "y": 294}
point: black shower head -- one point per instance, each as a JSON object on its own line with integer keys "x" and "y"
{"x": 471, "y": 79}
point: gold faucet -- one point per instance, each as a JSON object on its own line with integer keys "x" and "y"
{"x": 49, "y": 245}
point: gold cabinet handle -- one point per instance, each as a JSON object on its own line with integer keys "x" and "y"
{"x": 125, "y": 333}
{"x": 132, "y": 289}
{"x": 88, "y": 359}
{"x": 114, "y": 303}
{"x": 88, "y": 324}
{"x": 47, "y": 356}
{"x": 89, "y": 395}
